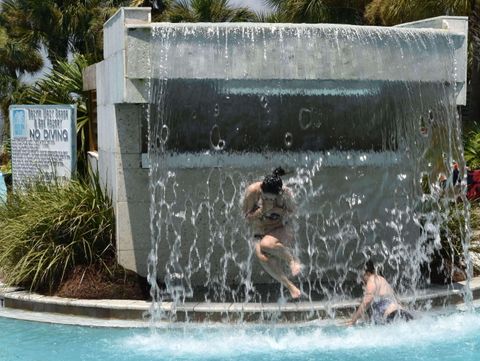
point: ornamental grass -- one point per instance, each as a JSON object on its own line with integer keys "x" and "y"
{"x": 48, "y": 229}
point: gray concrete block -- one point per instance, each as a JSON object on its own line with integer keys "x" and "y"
{"x": 128, "y": 160}
{"x": 128, "y": 118}
{"x": 113, "y": 34}
{"x": 111, "y": 79}
{"x": 132, "y": 185}
{"x": 133, "y": 225}
{"x": 106, "y": 127}
{"x": 135, "y": 261}
{"x": 138, "y": 60}
{"x": 137, "y": 91}
{"x": 101, "y": 86}
{"x": 107, "y": 174}
{"x": 113, "y": 29}
{"x": 115, "y": 77}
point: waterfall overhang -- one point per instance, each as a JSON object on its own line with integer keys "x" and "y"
{"x": 127, "y": 52}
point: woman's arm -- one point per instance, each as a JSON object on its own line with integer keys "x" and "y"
{"x": 258, "y": 252}
{"x": 360, "y": 310}
{"x": 251, "y": 210}
{"x": 366, "y": 301}
{"x": 288, "y": 201}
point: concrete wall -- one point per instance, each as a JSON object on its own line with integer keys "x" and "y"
{"x": 122, "y": 88}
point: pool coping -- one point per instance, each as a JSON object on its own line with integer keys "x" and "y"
{"x": 18, "y": 303}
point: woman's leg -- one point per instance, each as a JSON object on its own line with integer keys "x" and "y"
{"x": 274, "y": 244}
{"x": 274, "y": 269}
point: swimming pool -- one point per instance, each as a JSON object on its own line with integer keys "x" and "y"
{"x": 454, "y": 336}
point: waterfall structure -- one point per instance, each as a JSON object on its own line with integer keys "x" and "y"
{"x": 364, "y": 120}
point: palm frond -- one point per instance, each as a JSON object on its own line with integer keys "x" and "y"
{"x": 207, "y": 11}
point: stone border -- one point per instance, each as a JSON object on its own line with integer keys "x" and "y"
{"x": 131, "y": 313}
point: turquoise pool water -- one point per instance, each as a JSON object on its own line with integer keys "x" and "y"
{"x": 448, "y": 337}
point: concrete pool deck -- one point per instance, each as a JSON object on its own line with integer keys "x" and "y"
{"x": 21, "y": 304}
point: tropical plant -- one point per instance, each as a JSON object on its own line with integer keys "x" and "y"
{"x": 319, "y": 11}
{"x": 49, "y": 228}
{"x": 472, "y": 149}
{"x": 207, "y": 11}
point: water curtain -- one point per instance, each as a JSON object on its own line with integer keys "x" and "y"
{"x": 370, "y": 157}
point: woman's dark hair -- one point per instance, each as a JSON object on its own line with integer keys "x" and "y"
{"x": 369, "y": 267}
{"x": 272, "y": 183}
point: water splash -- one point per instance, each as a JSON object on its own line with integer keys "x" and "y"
{"x": 317, "y": 340}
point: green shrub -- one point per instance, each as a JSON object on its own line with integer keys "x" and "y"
{"x": 453, "y": 233}
{"x": 48, "y": 229}
{"x": 472, "y": 148}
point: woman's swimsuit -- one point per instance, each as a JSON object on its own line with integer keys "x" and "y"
{"x": 272, "y": 216}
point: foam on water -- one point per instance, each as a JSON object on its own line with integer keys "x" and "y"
{"x": 212, "y": 342}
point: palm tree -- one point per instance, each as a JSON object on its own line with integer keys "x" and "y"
{"x": 391, "y": 12}
{"x": 159, "y": 7}
{"x": 62, "y": 26}
{"x": 17, "y": 57}
{"x": 319, "y": 11}
{"x": 84, "y": 21}
{"x": 207, "y": 11}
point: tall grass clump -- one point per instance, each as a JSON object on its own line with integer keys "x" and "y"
{"x": 48, "y": 229}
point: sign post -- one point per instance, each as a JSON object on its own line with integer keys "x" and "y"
{"x": 43, "y": 142}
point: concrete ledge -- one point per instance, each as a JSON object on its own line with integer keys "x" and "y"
{"x": 15, "y": 299}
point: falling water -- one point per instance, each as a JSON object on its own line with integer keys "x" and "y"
{"x": 364, "y": 154}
